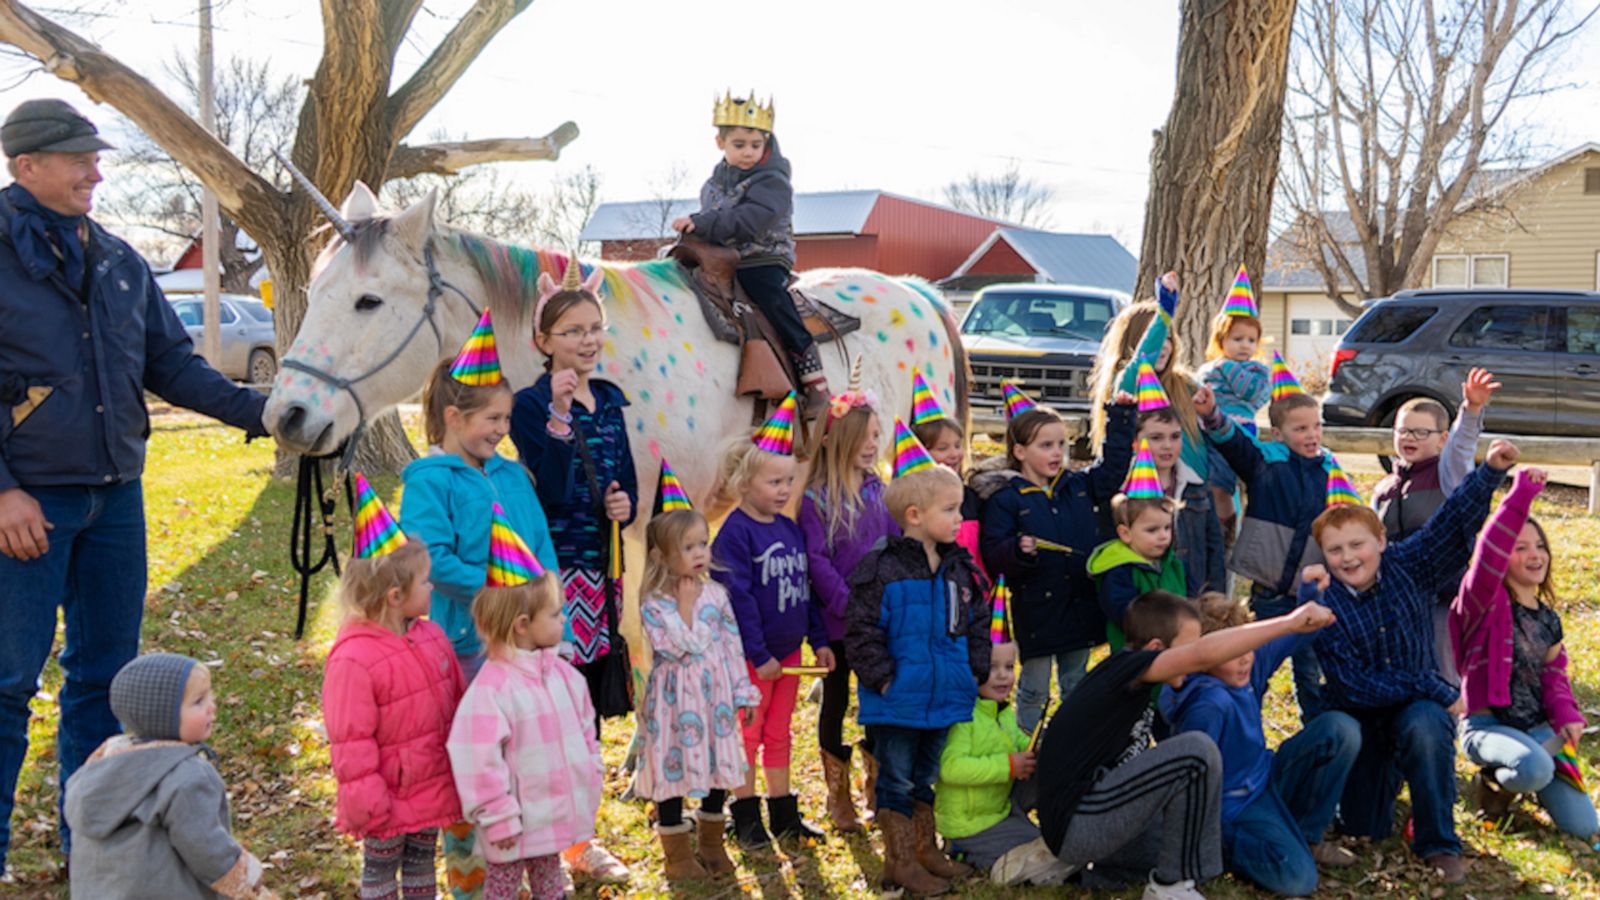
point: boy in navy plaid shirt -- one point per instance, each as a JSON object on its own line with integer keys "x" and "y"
{"x": 1378, "y": 657}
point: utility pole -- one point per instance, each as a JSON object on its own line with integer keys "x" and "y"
{"x": 210, "y": 229}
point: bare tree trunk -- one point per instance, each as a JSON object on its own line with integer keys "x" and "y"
{"x": 1213, "y": 166}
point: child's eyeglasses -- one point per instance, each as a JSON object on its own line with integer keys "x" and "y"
{"x": 578, "y": 334}
{"x": 1418, "y": 434}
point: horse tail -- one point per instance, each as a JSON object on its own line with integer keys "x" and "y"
{"x": 958, "y": 351}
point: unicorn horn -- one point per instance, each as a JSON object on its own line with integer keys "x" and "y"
{"x": 855, "y": 376}
{"x": 572, "y": 278}
{"x": 345, "y": 229}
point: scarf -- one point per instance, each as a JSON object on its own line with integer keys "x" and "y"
{"x": 33, "y": 226}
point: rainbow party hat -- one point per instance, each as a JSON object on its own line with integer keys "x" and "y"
{"x": 1340, "y": 490}
{"x": 478, "y": 363}
{"x": 923, "y": 407}
{"x": 1567, "y": 767}
{"x": 776, "y": 435}
{"x": 1148, "y": 390}
{"x": 1283, "y": 381}
{"x": 670, "y": 495}
{"x": 1000, "y": 596}
{"x": 1017, "y": 402}
{"x": 510, "y": 561}
{"x": 1241, "y": 297}
{"x": 1144, "y": 482}
{"x": 909, "y": 454}
{"x": 377, "y": 533}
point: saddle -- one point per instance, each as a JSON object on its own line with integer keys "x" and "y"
{"x": 735, "y": 319}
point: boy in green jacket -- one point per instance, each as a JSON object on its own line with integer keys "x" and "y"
{"x": 1142, "y": 558}
{"x": 985, "y": 788}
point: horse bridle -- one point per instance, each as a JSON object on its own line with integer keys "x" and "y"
{"x": 437, "y": 285}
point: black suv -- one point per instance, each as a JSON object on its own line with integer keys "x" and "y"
{"x": 1543, "y": 346}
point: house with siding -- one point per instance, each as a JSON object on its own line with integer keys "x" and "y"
{"x": 1542, "y": 232}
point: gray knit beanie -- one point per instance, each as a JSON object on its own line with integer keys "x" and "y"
{"x": 147, "y": 695}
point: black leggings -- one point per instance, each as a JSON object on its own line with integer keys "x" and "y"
{"x": 669, "y": 813}
{"x": 768, "y": 287}
{"x": 835, "y": 703}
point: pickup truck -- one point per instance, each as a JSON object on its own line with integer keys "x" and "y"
{"x": 1044, "y": 337}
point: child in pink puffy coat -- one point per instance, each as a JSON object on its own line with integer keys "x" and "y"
{"x": 389, "y": 692}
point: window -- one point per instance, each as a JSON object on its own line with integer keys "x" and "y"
{"x": 1389, "y": 324}
{"x": 1503, "y": 328}
{"x": 1591, "y": 181}
{"x": 228, "y": 316}
{"x": 1319, "y": 327}
{"x": 1583, "y": 330}
{"x": 189, "y": 314}
{"x": 1490, "y": 271}
{"x": 256, "y": 311}
{"x": 1487, "y": 270}
{"x": 1450, "y": 271}
{"x": 1056, "y": 315}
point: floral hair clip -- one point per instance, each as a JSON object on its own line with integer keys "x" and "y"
{"x": 840, "y": 405}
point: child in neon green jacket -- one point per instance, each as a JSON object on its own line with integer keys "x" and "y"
{"x": 985, "y": 791}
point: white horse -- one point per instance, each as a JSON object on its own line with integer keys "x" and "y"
{"x": 396, "y": 294}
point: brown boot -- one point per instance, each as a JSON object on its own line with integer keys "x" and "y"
{"x": 1492, "y": 800}
{"x": 900, "y": 866}
{"x": 841, "y": 806}
{"x": 869, "y": 782}
{"x": 710, "y": 850}
{"x": 677, "y": 845}
{"x": 928, "y": 852}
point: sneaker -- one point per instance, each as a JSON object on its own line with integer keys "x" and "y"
{"x": 1450, "y": 868}
{"x": 1183, "y": 890}
{"x": 596, "y": 864}
{"x": 1333, "y": 855}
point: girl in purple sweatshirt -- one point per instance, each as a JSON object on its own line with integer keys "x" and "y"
{"x": 843, "y": 516}
{"x": 1508, "y": 647}
{"x": 760, "y": 557}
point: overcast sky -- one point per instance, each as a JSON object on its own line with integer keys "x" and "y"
{"x": 902, "y": 96}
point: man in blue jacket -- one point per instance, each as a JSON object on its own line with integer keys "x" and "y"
{"x": 84, "y": 332}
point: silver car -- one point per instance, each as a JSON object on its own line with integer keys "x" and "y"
{"x": 248, "y": 348}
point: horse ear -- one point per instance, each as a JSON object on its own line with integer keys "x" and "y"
{"x": 413, "y": 225}
{"x": 360, "y": 205}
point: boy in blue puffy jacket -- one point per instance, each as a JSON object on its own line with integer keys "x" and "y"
{"x": 918, "y": 641}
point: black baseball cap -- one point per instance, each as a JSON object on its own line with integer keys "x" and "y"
{"x": 48, "y": 126}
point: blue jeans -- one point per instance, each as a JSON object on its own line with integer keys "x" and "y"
{"x": 94, "y": 573}
{"x": 1269, "y": 840}
{"x": 1307, "y": 670}
{"x": 908, "y": 764}
{"x": 1415, "y": 744}
{"x": 1033, "y": 686}
{"x": 1520, "y": 762}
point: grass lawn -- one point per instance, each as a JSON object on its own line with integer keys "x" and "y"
{"x": 222, "y": 590}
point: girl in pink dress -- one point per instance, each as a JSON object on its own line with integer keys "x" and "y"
{"x": 698, "y": 683}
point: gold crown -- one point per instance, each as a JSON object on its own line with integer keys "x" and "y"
{"x": 742, "y": 113}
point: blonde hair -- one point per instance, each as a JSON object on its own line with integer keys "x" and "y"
{"x": 1219, "y": 611}
{"x": 834, "y": 473}
{"x": 495, "y": 610}
{"x": 739, "y": 461}
{"x": 442, "y": 392}
{"x": 918, "y": 489}
{"x": 366, "y": 582}
{"x": 1123, "y": 336}
{"x": 664, "y": 538}
{"x": 1221, "y": 327}
{"x": 931, "y": 431}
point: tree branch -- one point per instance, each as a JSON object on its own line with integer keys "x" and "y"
{"x": 451, "y": 158}
{"x": 439, "y": 72}
{"x": 105, "y": 79}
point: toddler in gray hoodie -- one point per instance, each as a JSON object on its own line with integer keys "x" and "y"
{"x": 148, "y": 811}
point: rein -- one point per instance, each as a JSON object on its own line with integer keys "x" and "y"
{"x": 309, "y": 491}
